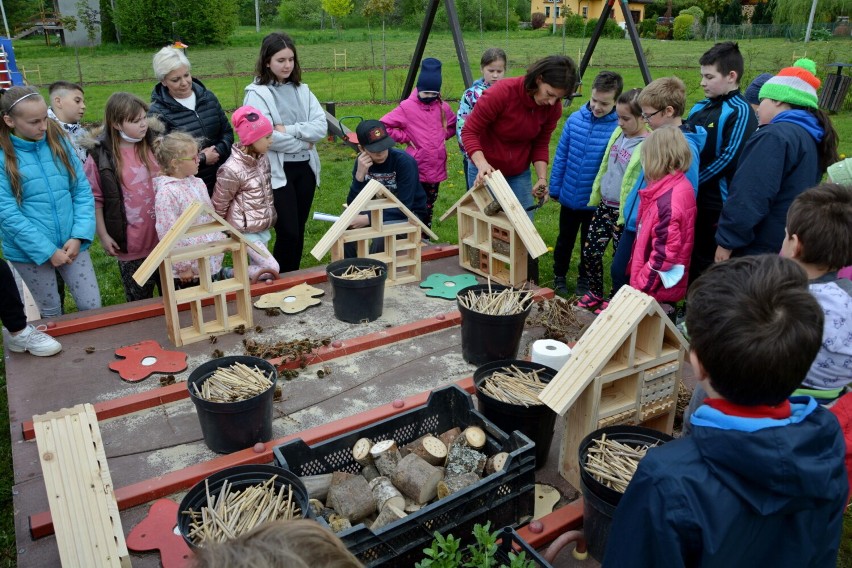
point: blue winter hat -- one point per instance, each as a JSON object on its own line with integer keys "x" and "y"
{"x": 753, "y": 89}
{"x": 430, "y": 75}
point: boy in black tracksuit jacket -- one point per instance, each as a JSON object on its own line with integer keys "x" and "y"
{"x": 729, "y": 121}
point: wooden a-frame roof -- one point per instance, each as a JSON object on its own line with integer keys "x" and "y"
{"x": 360, "y": 203}
{"x": 184, "y": 227}
{"x": 504, "y": 195}
{"x": 600, "y": 342}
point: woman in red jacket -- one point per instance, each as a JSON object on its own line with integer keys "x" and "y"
{"x": 666, "y": 219}
{"x": 511, "y": 124}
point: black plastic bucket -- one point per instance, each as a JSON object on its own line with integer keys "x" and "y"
{"x": 487, "y": 338}
{"x": 239, "y": 477}
{"x": 357, "y": 301}
{"x": 600, "y": 501}
{"x": 231, "y": 426}
{"x": 536, "y": 421}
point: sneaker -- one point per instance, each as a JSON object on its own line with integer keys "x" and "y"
{"x": 602, "y": 307}
{"x": 34, "y": 340}
{"x": 589, "y": 301}
{"x": 560, "y": 285}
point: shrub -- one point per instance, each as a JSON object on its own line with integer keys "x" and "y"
{"x": 611, "y": 29}
{"x": 683, "y": 27}
{"x": 663, "y": 32}
{"x": 648, "y": 28}
{"x": 537, "y": 21}
{"x": 696, "y": 12}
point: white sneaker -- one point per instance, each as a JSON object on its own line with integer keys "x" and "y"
{"x": 34, "y": 340}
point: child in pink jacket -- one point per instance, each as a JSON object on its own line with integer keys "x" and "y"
{"x": 666, "y": 219}
{"x": 425, "y": 122}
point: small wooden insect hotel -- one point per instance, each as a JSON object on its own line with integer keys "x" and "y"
{"x": 402, "y": 240}
{"x": 166, "y": 254}
{"x": 625, "y": 369}
{"x": 496, "y": 236}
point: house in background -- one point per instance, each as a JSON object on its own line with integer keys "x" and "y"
{"x": 586, "y": 8}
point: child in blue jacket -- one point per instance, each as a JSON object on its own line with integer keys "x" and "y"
{"x": 578, "y": 156}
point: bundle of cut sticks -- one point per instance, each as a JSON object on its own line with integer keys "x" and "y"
{"x": 514, "y": 386}
{"x": 233, "y": 384}
{"x": 233, "y": 513}
{"x": 365, "y": 273}
{"x": 612, "y": 463}
{"x": 505, "y": 302}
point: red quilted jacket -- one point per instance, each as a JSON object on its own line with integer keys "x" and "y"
{"x": 666, "y": 232}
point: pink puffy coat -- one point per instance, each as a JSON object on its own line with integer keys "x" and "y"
{"x": 243, "y": 193}
{"x": 666, "y": 232}
{"x": 420, "y": 126}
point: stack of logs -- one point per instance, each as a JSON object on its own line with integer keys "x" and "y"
{"x": 397, "y": 481}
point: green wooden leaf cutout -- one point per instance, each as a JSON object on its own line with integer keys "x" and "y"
{"x": 443, "y": 286}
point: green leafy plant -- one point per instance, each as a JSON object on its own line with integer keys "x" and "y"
{"x": 446, "y": 552}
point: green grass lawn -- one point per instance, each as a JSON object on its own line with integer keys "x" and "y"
{"x": 358, "y": 91}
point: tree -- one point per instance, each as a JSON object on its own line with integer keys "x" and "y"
{"x": 382, "y": 9}
{"x": 91, "y": 20}
{"x": 268, "y": 11}
{"x": 798, "y": 11}
{"x": 299, "y": 13}
{"x": 733, "y": 14}
{"x": 155, "y": 22}
{"x": 762, "y": 13}
{"x": 338, "y": 9}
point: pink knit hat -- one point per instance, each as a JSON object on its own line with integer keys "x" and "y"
{"x": 250, "y": 125}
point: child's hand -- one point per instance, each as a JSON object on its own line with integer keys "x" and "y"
{"x": 59, "y": 258}
{"x": 360, "y": 221}
{"x": 186, "y": 276}
{"x": 722, "y": 254}
{"x": 109, "y": 245}
{"x": 72, "y": 248}
{"x": 364, "y": 163}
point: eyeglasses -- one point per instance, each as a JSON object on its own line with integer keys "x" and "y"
{"x": 647, "y": 117}
{"x": 195, "y": 158}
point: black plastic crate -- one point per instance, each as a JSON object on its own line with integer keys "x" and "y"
{"x": 512, "y": 542}
{"x": 505, "y": 498}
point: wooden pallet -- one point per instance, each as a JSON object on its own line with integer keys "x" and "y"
{"x": 79, "y": 489}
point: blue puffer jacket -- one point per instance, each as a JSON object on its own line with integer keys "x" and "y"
{"x": 579, "y": 155}
{"x": 53, "y": 209}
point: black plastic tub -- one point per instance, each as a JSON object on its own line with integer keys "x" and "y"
{"x": 600, "y": 501}
{"x": 485, "y": 337}
{"x": 239, "y": 477}
{"x": 357, "y": 301}
{"x": 232, "y": 426}
{"x": 535, "y": 421}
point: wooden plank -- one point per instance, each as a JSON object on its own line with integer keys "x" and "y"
{"x": 517, "y": 216}
{"x": 161, "y": 251}
{"x": 195, "y": 252}
{"x": 79, "y": 489}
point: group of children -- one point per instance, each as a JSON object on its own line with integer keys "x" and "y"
{"x": 127, "y": 183}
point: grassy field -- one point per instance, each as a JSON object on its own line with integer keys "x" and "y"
{"x": 358, "y": 92}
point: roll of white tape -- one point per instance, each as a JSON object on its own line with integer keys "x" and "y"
{"x": 550, "y": 352}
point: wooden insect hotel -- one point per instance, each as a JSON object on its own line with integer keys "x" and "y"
{"x": 625, "y": 369}
{"x": 495, "y": 242}
{"x": 402, "y": 240}
{"x": 198, "y": 219}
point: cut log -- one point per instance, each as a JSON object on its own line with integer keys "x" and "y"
{"x": 453, "y": 484}
{"x": 370, "y": 472}
{"x": 385, "y": 456}
{"x": 388, "y": 515}
{"x": 386, "y": 494}
{"x": 475, "y": 437}
{"x": 430, "y": 449}
{"x": 450, "y": 435}
{"x": 417, "y": 479}
{"x": 317, "y": 485}
{"x": 411, "y": 506}
{"x": 338, "y": 523}
{"x": 351, "y": 497}
{"x": 462, "y": 459}
{"x": 361, "y": 452}
{"x": 496, "y": 463}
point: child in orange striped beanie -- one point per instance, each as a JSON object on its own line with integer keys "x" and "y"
{"x": 789, "y": 153}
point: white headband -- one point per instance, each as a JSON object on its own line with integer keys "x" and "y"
{"x": 19, "y": 100}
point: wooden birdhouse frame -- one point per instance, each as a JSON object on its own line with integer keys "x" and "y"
{"x": 625, "y": 369}
{"x": 166, "y": 254}
{"x": 402, "y": 240}
{"x": 495, "y": 246}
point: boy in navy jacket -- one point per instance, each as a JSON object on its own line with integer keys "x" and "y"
{"x": 729, "y": 121}
{"x": 578, "y": 157}
{"x": 761, "y": 480}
